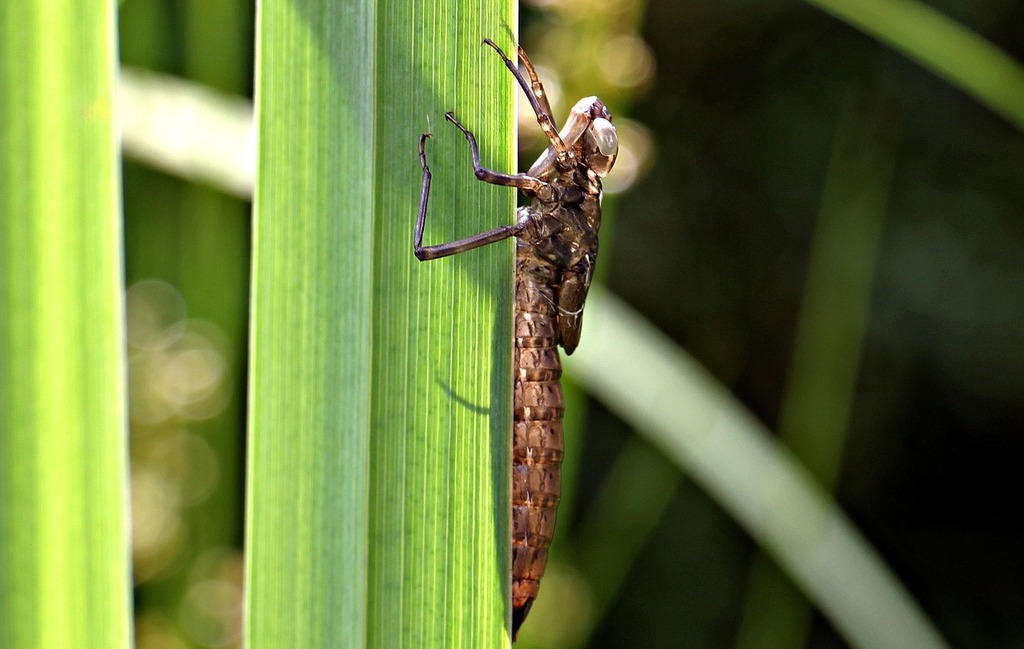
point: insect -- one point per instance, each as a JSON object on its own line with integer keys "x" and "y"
{"x": 556, "y": 246}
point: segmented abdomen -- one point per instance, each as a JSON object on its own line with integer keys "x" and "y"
{"x": 537, "y": 436}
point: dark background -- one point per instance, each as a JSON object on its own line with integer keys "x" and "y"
{"x": 742, "y": 109}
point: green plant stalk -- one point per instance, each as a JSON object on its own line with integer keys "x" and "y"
{"x": 64, "y": 566}
{"x": 943, "y": 46}
{"x": 380, "y": 390}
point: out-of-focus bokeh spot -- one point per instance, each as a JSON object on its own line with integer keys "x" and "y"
{"x": 178, "y": 377}
{"x": 154, "y": 631}
{"x": 626, "y": 61}
{"x": 178, "y": 370}
{"x": 212, "y": 607}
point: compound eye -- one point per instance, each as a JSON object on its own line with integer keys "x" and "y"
{"x": 604, "y": 137}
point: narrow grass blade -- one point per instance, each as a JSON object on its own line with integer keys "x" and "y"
{"x": 64, "y": 567}
{"x": 668, "y": 397}
{"x": 819, "y": 393}
{"x": 945, "y": 47}
{"x": 380, "y": 388}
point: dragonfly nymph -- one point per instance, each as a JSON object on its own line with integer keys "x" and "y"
{"x": 556, "y": 247}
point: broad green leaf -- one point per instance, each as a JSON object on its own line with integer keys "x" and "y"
{"x": 64, "y": 567}
{"x": 380, "y": 388}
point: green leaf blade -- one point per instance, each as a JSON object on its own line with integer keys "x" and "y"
{"x": 64, "y": 569}
{"x": 445, "y": 336}
{"x": 309, "y": 382}
{"x": 380, "y": 394}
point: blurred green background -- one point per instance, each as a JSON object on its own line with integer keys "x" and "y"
{"x": 832, "y": 230}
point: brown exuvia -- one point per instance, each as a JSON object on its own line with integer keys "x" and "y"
{"x": 556, "y": 247}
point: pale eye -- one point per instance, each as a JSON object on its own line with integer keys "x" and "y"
{"x": 604, "y": 136}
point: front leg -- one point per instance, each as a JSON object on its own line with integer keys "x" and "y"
{"x": 538, "y": 99}
{"x": 529, "y": 184}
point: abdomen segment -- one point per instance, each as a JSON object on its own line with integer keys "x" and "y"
{"x": 536, "y": 453}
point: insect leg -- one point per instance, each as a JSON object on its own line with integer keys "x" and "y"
{"x": 538, "y": 101}
{"x": 530, "y": 184}
{"x": 535, "y": 84}
{"x": 424, "y": 253}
